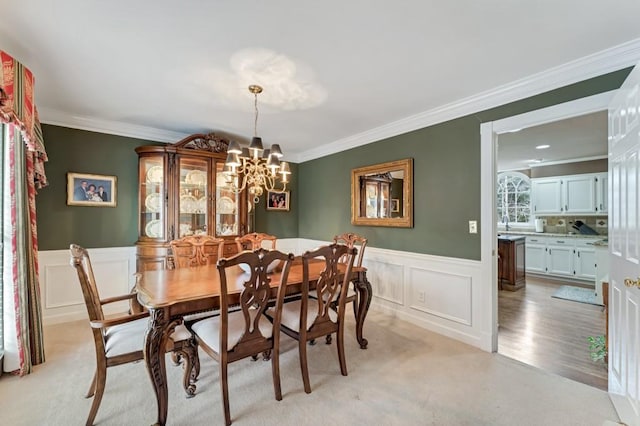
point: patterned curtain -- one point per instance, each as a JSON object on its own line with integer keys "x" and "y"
{"x": 22, "y": 174}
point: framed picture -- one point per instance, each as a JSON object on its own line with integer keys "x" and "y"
{"x": 278, "y": 201}
{"x": 91, "y": 190}
{"x": 395, "y": 205}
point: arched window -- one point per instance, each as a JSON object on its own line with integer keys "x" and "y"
{"x": 514, "y": 198}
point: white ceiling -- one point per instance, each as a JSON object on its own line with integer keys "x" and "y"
{"x": 583, "y": 137}
{"x": 331, "y": 70}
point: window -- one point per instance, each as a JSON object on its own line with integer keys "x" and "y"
{"x": 514, "y": 198}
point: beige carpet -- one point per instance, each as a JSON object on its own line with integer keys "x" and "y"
{"x": 408, "y": 376}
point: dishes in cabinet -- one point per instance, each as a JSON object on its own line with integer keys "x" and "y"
{"x": 154, "y": 174}
{"x": 196, "y": 177}
{"x": 153, "y": 202}
{"x": 226, "y": 205}
{"x": 153, "y": 229}
{"x": 188, "y": 204}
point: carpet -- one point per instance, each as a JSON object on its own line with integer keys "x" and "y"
{"x": 576, "y": 294}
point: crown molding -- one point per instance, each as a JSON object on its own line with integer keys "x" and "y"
{"x": 57, "y": 118}
{"x": 609, "y": 60}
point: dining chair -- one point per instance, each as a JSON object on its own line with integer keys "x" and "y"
{"x": 245, "y": 332}
{"x": 308, "y": 318}
{"x": 120, "y": 339}
{"x": 195, "y": 250}
{"x": 360, "y": 243}
{"x": 256, "y": 240}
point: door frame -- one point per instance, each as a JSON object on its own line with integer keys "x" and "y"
{"x": 489, "y": 134}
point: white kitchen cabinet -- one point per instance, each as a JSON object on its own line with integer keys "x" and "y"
{"x": 602, "y": 192}
{"x": 574, "y": 194}
{"x": 560, "y": 257}
{"x": 579, "y": 194}
{"x": 536, "y": 255}
{"x": 546, "y": 195}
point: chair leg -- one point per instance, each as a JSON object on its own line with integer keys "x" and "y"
{"x": 225, "y": 392}
{"x": 303, "y": 365}
{"x": 100, "y": 381}
{"x": 341, "y": 357}
{"x": 92, "y": 387}
{"x": 275, "y": 371}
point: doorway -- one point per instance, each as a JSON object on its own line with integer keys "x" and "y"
{"x": 526, "y": 314}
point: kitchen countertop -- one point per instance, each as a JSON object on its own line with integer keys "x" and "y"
{"x": 552, "y": 234}
{"x": 510, "y": 237}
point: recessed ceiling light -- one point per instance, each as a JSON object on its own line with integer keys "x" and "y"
{"x": 542, "y": 146}
{"x": 536, "y": 160}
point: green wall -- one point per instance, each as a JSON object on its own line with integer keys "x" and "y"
{"x": 446, "y": 184}
{"x": 71, "y": 150}
{"x": 446, "y": 179}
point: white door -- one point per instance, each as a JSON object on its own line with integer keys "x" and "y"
{"x": 624, "y": 250}
{"x": 560, "y": 258}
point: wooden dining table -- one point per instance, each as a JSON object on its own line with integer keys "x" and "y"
{"x": 172, "y": 294}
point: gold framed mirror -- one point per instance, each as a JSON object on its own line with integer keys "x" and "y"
{"x": 382, "y": 194}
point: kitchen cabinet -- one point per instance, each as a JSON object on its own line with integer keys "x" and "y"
{"x": 602, "y": 192}
{"x": 562, "y": 257}
{"x": 536, "y": 255}
{"x": 182, "y": 192}
{"x": 579, "y": 194}
{"x": 585, "y": 262}
{"x": 511, "y": 273}
{"x": 546, "y": 195}
{"x": 574, "y": 194}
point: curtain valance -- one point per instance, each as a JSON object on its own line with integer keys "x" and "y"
{"x": 17, "y": 107}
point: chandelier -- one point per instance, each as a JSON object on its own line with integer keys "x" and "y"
{"x": 255, "y": 168}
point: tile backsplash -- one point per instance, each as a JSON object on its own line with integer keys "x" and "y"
{"x": 563, "y": 224}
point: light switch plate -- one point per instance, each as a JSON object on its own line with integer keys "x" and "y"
{"x": 473, "y": 227}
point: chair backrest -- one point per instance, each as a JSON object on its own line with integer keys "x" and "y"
{"x": 81, "y": 261}
{"x": 352, "y": 240}
{"x": 254, "y": 298}
{"x": 196, "y": 250}
{"x": 255, "y": 240}
{"x": 332, "y": 284}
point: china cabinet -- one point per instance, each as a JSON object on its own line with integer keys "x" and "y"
{"x": 375, "y": 190}
{"x": 182, "y": 192}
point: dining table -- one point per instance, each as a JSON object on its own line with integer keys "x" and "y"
{"x": 171, "y": 294}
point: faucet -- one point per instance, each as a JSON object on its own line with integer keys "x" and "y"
{"x": 505, "y": 220}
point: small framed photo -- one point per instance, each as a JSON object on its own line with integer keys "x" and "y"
{"x": 91, "y": 190}
{"x": 395, "y": 205}
{"x": 278, "y": 201}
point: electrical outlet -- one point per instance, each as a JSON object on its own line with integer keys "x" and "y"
{"x": 421, "y": 296}
{"x": 473, "y": 227}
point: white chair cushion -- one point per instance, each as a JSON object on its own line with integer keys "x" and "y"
{"x": 129, "y": 337}
{"x": 291, "y": 314}
{"x": 208, "y": 330}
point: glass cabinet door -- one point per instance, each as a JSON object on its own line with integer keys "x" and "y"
{"x": 152, "y": 195}
{"x": 227, "y": 205}
{"x": 193, "y": 189}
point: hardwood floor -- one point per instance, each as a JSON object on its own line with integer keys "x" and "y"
{"x": 549, "y": 333}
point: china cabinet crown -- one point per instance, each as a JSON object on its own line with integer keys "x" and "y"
{"x": 182, "y": 192}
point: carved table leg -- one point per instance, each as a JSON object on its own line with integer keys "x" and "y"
{"x": 154, "y": 350}
{"x": 365, "y": 293}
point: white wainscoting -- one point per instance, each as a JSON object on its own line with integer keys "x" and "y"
{"x": 62, "y": 298}
{"x": 441, "y": 294}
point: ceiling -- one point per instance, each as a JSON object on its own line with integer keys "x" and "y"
{"x": 583, "y": 137}
{"x": 331, "y": 70}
